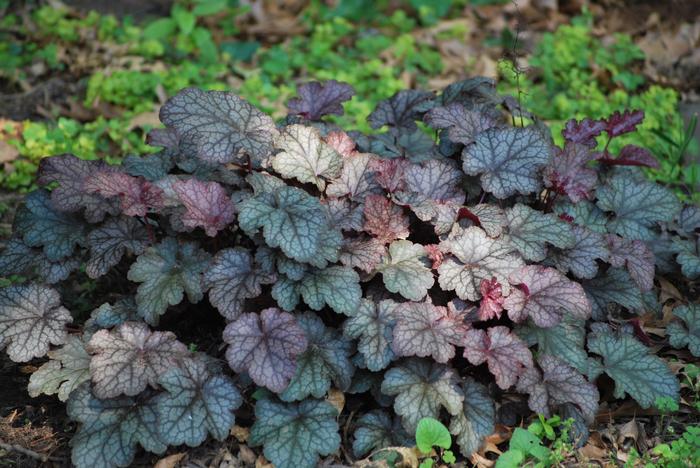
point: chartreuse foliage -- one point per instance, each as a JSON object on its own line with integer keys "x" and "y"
{"x": 407, "y": 269}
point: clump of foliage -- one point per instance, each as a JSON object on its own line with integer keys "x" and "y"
{"x": 576, "y": 75}
{"x": 422, "y": 273}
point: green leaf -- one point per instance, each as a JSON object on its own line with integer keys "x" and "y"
{"x": 476, "y": 420}
{"x": 68, "y": 368}
{"x": 208, "y": 52}
{"x": 449, "y": 457}
{"x": 326, "y": 359}
{"x": 404, "y": 270}
{"x": 185, "y": 20}
{"x": 165, "y": 271}
{"x": 635, "y": 370}
{"x": 293, "y": 435}
{"x": 565, "y": 340}
{"x": 686, "y": 331}
{"x": 510, "y": 459}
{"x": 615, "y": 286}
{"x": 336, "y": 286}
{"x": 432, "y": 433}
{"x": 638, "y": 205}
{"x": 422, "y": 388}
{"x": 290, "y": 218}
{"x": 376, "y": 430}
{"x": 528, "y": 443}
{"x": 530, "y": 230}
{"x": 159, "y": 29}
{"x": 110, "y": 430}
{"x": 196, "y": 402}
{"x": 209, "y": 7}
{"x": 43, "y": 226}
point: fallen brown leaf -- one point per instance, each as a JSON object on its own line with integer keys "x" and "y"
{"x": 336, "y": 398}
{"x": 8, "y": 153}
{"x": 170, "y": 461}
{"x": 240, "y": 433}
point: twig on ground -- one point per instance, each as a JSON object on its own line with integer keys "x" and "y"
{"x": 27, "y": 452}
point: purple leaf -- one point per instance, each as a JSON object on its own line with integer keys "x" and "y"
{"x": 618, "y": 124}
{"x": 401, "y": 110}
{"x": 567, "y": 172}
{"x": 317, "y": 99}
{"x": 506, "y": 355}
{"x": 207, "y": 205}
{"x": 631, "y": 155}
{"x": 137, "y": 195}
{"x": 390, "y": 173}
{"x": 636, "y": 256}
{"x": 558, "y": 384}
{"x": 130, "y": 358}
{"x": 462, "y": 125}
{"x": 266, "y": 346}
{"x": 111, "y": 241}
{"x": 384, "y": 220}
{"x": 423, "y": 329}
{"x": 545, "y": 295}
{"x": 583, "y": 132}
{"x": 71, "y": 195}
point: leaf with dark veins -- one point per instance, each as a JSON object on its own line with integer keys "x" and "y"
{"x": 492, "y": 299}
{"x": 364, "y": 253}
{"x": 373, "y": 324}
{"x": 507, "y": 355}
{"x": 477, "y": 420}
{"x": 545, "y": 295}
{"x": 196, "y": 402}
{"x": 71, "y": 174}
{"x": 580, "y": 258}
{"x": 401, "y": 110}
{"x": 425, "y": 330}
{"x": 568, "y": 172}
{"x": 462, "y": 125}
{"x": 357, "y": 179}
{"x": 67, "y": 369}
{"x": 384, "y": 220}
{"x": 404, "y": 270}
{"x": 620, "y": 123}
{"x": 583, "y": 132}
{"x": 266, "y": 346}
{"x": 131, "y": 357}
{"x": 31, "y": 319}
{"x": 111, "y": 241}
{"x": 530, "y": 230}
{"x": 219, "y": 125}
{"x": 636, "y": 257}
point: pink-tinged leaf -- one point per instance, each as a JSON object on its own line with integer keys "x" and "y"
{"x": 506, "y": 355}
{"x": 423, "y": 329}
{"x": 266, "y": 346}
{"x": 357, "y": 179}
{"x": 364, "y": 253}
{"x": 545, "y": 295}
{"x": 492, "y": 299}
{"x": 462, "y": 125}
{"x": 634, "y": 255}
{"x": 619, "y": 124}
{"x": 567, "y": 172}
{"x": 631, "y": 155}
{"x": 206, "y": 203}
{"x": 317, "y": 99}
{"x": 490, "y": 218}
{"x": 583, "y": 132}
{"x": 557, "y": 384}
{"x": 390, "y": 173}
{"x": 341, "y": 142}
{"x": 71, "y": 174}
{"x": 435, "y": 255}
{"x": 136, "y": 194}
{"x": 385, "y": 220}
{"x": 131, "y": 357}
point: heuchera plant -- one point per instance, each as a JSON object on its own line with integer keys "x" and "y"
{"x": 423, "y": 270}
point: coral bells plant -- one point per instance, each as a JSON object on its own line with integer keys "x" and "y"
{"x": 439, "y": 267}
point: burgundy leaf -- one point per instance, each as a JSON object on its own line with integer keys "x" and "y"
{"x": 72, "y": 174}
{"x": 506, "y": 355}
{"x": 317, "y": 99}
{"x": 435, "y": 255}
{"x": 384, "y": 220}
{"x": 636, "y": 256}
{"x": 136, "y": 194}
{"x": 619, "y": 124}
{"x": 423, "y": 329}
{"x": 631, "y": 155}
{"x": 207, "y": 205}
{"x": 583, "y": 132}
{"x": 492, "y": 299}
{"x": 567, "y": 173}
{"x": 390, "y": 173}
{"x": 545, "y": 295}
{"x": 363, "y": 253}
{"x": 266, "y": 346}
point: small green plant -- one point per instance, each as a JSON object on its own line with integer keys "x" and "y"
{"x": 432, "y": 434}
{"x": 526, "y": 446}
